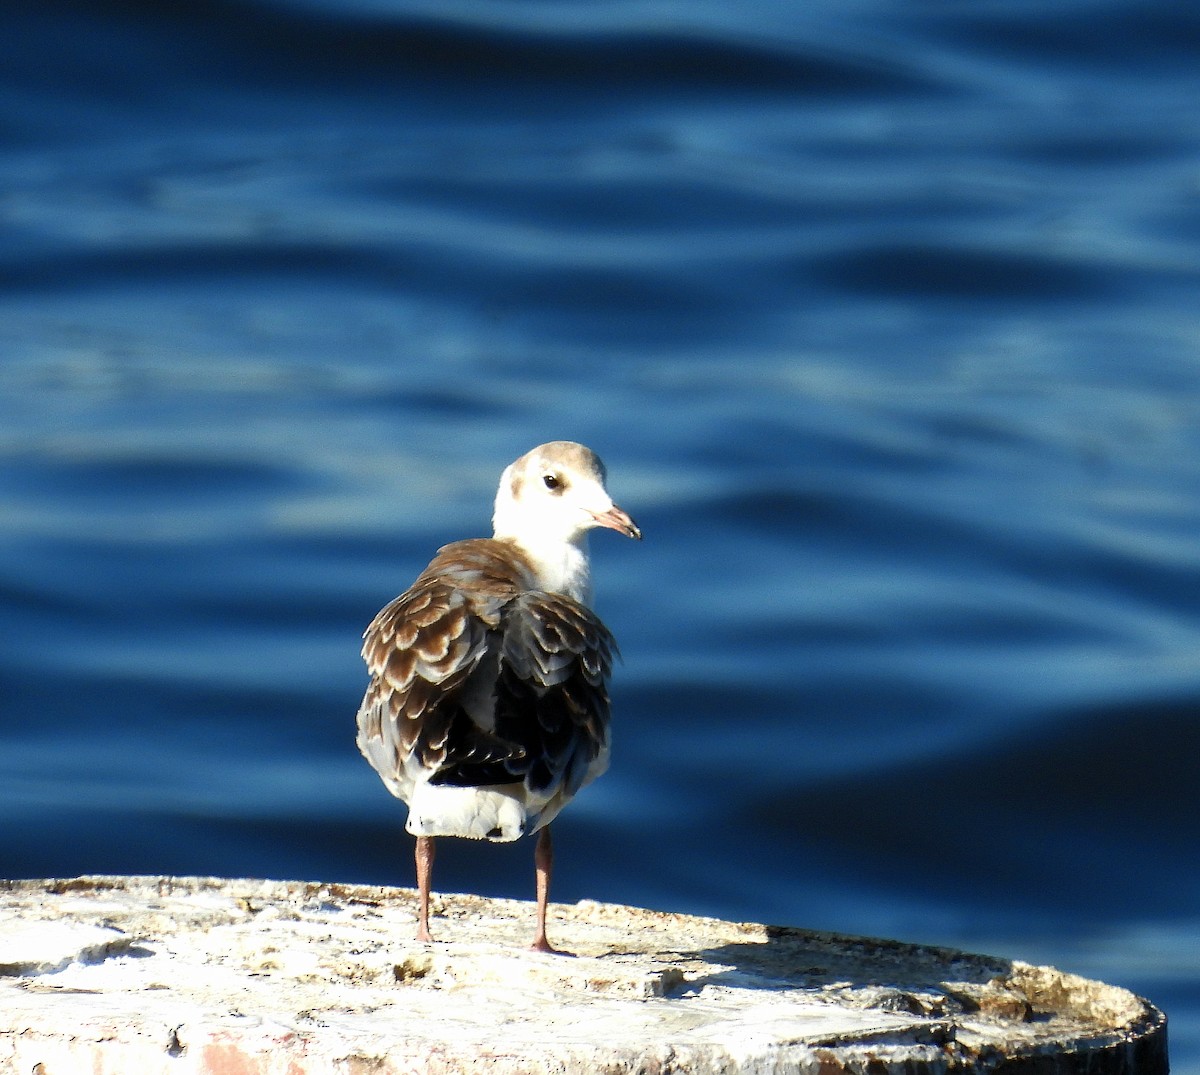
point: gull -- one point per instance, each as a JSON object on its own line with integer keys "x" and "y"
{"x": 487, "y": 708}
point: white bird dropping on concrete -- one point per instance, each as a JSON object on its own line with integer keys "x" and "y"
{"x": 488, "y": 703}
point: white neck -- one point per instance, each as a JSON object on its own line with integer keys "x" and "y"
{"x": 561, "y": 566}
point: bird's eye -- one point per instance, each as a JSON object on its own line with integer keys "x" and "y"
{"x": 551, "y": 481}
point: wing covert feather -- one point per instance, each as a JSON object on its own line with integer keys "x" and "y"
{"x": 478, "y": 680}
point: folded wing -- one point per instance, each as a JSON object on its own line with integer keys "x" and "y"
{"x": 477, "y": 681}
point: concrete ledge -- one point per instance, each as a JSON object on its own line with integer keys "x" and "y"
{"x": 149, "y": 975}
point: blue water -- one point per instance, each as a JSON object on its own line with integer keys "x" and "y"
{"x": 884, "y": 316}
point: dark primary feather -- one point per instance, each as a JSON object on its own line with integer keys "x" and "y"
{"x": 469, "y": 631}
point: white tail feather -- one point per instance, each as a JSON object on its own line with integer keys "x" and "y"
{"x": 494, "y": 813}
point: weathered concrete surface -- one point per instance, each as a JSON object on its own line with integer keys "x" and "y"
{"x": 141, "y": 976}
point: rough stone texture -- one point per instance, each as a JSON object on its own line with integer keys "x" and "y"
{"x": 128, "y": 975}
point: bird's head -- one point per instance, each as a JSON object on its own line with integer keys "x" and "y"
{"x": 556, "y": 493}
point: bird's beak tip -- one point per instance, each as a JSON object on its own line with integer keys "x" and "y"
{"x": 617, "y": 519}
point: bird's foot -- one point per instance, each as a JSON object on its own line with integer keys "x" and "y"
{"x": 540, "y": 944}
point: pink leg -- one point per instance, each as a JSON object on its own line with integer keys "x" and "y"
{"x": 424, "y": 855}
{"x": 543, "y": 861}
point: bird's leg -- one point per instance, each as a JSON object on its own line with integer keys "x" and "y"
{"x": 424, "y": 856}
{"x": 543, "y": 861}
